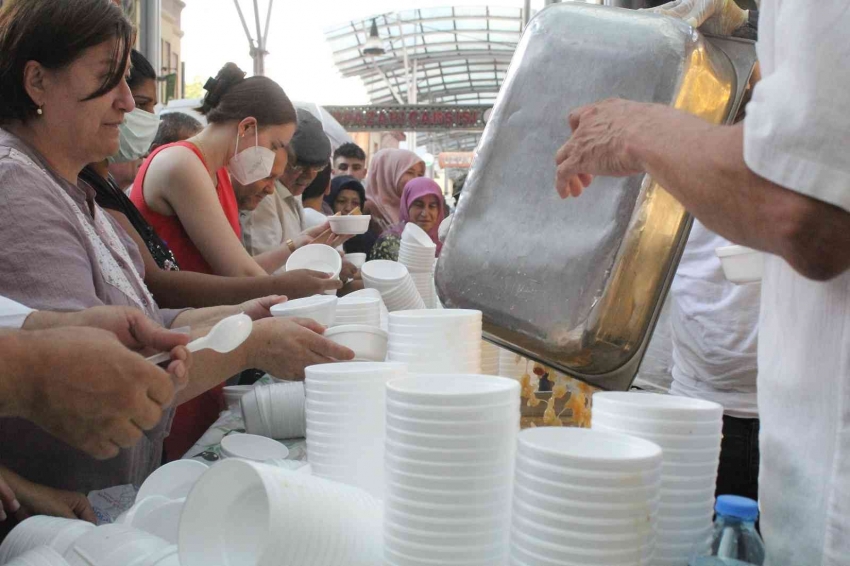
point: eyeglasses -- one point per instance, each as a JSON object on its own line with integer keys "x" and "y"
{"x": 301, "y": 169}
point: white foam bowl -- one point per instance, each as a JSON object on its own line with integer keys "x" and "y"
{"x": 414, "y": 234}
{"x": 637, "y": 510}
{"x": 667, "y": 441}
{"x": 616, "y": 526}
{"x": 352, "y": 371}
{"x": 233, "y": 395}
{"x": 173, "y": 480}
{"x": 349, "y": 225}
{"x": 590, "y": 478}
{"x": 444, "y": 469}
{"x": 447, "y": 441}
{"x": 39, "y": 556}
{"x": 508, "y": 409}
{"x": 356, "y": 259}
{"x": 494, "y": 454}
{"x": 320, "y": 308}
{"x": 114, "y": 544}
{"x": 741, "y": 264}
{"x": 586, "y": 449}
{"x": 317, "y": 257}
{"x": 252, "y": 447}
{"x": 656, "y": 426}
{"x": 497, "y": 426}
{"x": 542, "y": 531}
{"x": 623, "y": 494}
{"x": 445, "y": 317}
{"x": 461, "y": 390}
{"x": 582, "y": 554}
{"x": 384, "y": 272}
{"x": 369, "y": 343}
{"x": 657, "y": 406}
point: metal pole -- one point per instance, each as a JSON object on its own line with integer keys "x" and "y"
{"x": 151, "y": 37}
{"x": 259, "y": 62}
{"x": 253, "y": 49}
{"x": 266, "y": 32}
{"x": 526, "y": 13}
{"x": 413, "y": 98}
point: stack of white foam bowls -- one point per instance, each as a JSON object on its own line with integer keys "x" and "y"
{"x": 358, "y": 310}
{"x": 120, "y": 544}
{"x": 417, "y": 252}
{"x": 244, "y": 513}
{"x": 689, "y": 431}
{"x": 451, "y": 442}
{"x": 275, "y": 411}
{"x": 41, "y": 556}
{"x": 41, "y": 530}
{"x": 513, "y": 365}
{"x": 489, "y": 358}
{"x": 385, "y": 324}
{"x": 436, "y": 340}
{"x": 395, "y": 284}
{"x": 584, "y": 498}
{"x": 345, "y": 421}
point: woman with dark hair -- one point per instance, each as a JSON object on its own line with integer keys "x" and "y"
{"x": 347, "y": 194}
{"x": 62, "y": 100}
{"x": 184, "y": 189}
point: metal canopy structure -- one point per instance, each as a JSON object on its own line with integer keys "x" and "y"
{"x": 451, "y": 55}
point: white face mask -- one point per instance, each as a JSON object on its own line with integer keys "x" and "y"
{"x": 252, "y": 164}
{"x": 135, "y": 135}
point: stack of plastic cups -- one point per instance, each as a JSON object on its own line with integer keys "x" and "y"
{"x": 417, "y": 252}
{"x": 244, "y": 513}
{"x": 275, "y": 411}
{"x": 345, "y": 421}
{"x": 451, "y": 443}
{"x": 489, "y": 358}
{"x": 584, "y": 498}
{"x": 385, "y": 314}
{"x": 392, "y": 279}
{"x": 689, "y": 431}
{"x": 358, "y": 310}
{"x": 437, "y": 340}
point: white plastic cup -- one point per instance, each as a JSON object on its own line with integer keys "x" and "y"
{"x": 252, "y": 447}
{"x": 267, "y": 516}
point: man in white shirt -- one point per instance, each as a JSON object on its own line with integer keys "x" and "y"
{"x": 778, "y": 182}
{"x": 279, "y": 218}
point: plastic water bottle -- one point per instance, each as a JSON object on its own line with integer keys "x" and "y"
{"x": 735, "y": 541}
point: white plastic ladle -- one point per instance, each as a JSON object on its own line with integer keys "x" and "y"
{"x": 227, "y": 335}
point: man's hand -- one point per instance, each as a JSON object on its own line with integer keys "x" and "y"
{"x": 284, "y": 347}
{"x": 321, "y": 234}
{"x": 42, "y": 500}
{"x": 599, "y": 145}
{"x": 8, "y": 501}
{"x": 132, "y": 327}
{"x": 261, "y": 308}
{"x": 349, "y": 271}
{"x": 305, "y": 283}
{"x": 86, "y": 388}
{"x": 719, "y": 17}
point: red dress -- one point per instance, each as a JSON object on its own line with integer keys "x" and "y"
{"x": 194, "y": 417}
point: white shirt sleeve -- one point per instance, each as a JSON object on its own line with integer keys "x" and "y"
{"x": 12, "y": 314}
{"x": 797, "y": 129}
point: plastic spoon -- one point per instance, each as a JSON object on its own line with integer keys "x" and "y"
{"x": 227, "y": 335}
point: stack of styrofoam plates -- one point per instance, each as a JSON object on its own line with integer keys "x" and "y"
{"x": 392, "y": 279}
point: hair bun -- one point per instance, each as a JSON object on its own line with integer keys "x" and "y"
{"x": 228, "y": 76}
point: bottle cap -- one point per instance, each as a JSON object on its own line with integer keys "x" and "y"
{"x": 738, "y": 507}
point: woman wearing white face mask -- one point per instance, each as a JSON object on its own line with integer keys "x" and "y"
{"x": 140, "y": 126}
{"x": 184, "y": 189}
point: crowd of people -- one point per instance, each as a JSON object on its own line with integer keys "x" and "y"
{"x": 120, "y": 224}
{"x": 125, "y": 233}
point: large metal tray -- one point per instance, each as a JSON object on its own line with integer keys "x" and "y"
{"x": 578, "y": 284}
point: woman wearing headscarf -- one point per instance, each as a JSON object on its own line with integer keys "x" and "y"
{"x": 347, "y": 194}
{"x": 389, "y": 172}
{"x": 422, "y": 203}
